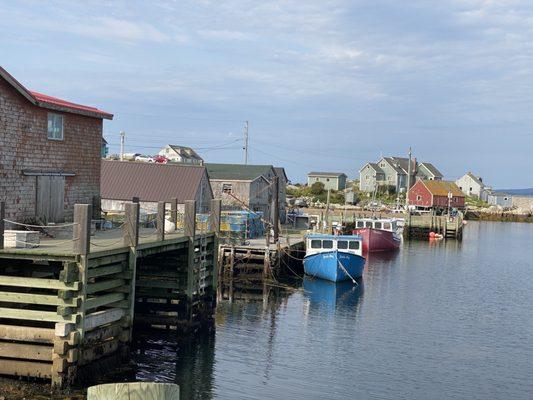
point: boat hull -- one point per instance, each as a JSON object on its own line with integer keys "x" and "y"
{"x": 378, "y": 240}
{"x": 327, "y": 265}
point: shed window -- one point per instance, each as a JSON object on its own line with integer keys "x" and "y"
{"x": 418, "y": 198}
{"x": 226, "y": 187}
{"x": 327, "y": 244}
{"x": 354, "y": 245}
{"x": 342, "y": 244}
{"x": 315, "y": 244}
{"x": 55, "y": 126}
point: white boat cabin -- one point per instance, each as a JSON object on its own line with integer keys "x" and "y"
{"x": 390, "y": 225}
{"x": 325, "y": 243}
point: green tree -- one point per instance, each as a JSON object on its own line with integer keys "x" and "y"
{"x": 317, "y": 188}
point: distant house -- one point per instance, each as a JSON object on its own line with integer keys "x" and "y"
{"x": 50, "y": 151}
{"x": 104, "y": 149}
{"x": 331, "y": 180}
{"x": 121, "y": 181}
{"x": 181, "y": 154}
{"x": 392, "y": 173}
{"x": 427, "y": 172}
{"x": 436, "y": 194}
{"x": 244, "y": 186}
{"x": 500, "y": 199}
{"x": 471, "y": 185}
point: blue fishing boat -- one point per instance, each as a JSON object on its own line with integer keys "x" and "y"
{"x": 334, "y": 258}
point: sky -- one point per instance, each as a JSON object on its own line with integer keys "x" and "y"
{"x": 325, "y": 85}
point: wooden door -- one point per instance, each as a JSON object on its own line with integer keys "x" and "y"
{"x": 50, "y": 198}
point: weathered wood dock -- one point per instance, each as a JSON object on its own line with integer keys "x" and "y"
{"x": 420, "y": 226}
{"x": 68, "y": 307}
{"x": 247, "y": 268}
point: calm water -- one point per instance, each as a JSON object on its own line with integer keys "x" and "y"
{"x": 433, "y": 321}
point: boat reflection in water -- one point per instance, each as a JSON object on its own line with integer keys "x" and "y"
{"x": 332, "y": 295}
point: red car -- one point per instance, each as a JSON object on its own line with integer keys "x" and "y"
{"x": 160, "y": 159}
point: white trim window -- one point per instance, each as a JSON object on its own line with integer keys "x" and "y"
{"x": 55, "y": 126}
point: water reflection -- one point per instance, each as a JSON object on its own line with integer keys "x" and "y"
{"x": 161, "y": 357}
{"x": 332, "y": 296}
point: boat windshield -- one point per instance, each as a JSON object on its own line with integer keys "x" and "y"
{"x": 354, "y": 245}
{"x": 316, "y": 244}
{"x": 377, "y": 225}
{"x": 369, "y": 224}
{"x": 342, "y": 244}
{"x": 386, "y": 226}
{"x": 327, "y": 244}
{"x": 360, "y": 224}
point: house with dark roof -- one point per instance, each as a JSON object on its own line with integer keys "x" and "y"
{"x": 181, "y": 154}
{"x": 392, "y": 173}
{"x": 50, "y": 152}
{"x": 246, "y": 186}
{"x": 151, "y": 183}
{"x": 331, "y": 180}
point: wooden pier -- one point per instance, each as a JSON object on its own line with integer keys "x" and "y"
{"x": 246, "y": 269}
{"x": 68, "y": 307}
{"x": 420, "y": 226}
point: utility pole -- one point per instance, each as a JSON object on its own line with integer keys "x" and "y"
{"x": 122, "y": 137}
{"x": 245, "y": 148}
{"x": 408, "y": 179}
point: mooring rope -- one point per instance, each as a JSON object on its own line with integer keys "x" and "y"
{"x": 41, "y": 226}
{"x": 346, "y": 272}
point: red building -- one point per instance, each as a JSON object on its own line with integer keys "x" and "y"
{"x": 436, "y": 194}
{"x": 50, "y": 151}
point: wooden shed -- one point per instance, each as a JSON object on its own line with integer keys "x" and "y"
{"x": 436, "y": 194}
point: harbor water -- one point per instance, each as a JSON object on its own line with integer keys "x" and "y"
{"x": 435, "y": 320}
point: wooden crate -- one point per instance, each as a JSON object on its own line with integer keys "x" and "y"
{"x": 21, "y": 239}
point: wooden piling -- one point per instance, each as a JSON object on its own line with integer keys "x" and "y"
{"x": 214, "y": 222}
{"x": 2, "y": 223}
{"x": 134, "y": 391}
{"x": 174, "y": 211}
{"x": 160, "y": 222}
{"x": 131, "y": 225}
{"x": 190, "y": 233}
{"x": 82, "y": 229}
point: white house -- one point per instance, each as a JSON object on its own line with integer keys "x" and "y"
{"x": 181, "y": 154}
{"x": 471, "y": 185}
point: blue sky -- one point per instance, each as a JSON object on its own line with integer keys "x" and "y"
{"x": 325, "y": 85}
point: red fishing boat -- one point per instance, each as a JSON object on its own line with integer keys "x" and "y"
{"x": 378, "y": 234}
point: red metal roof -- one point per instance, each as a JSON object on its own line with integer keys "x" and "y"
{"x": 45, "y": 101}
{"x": 123, "y": 180}
{"x": 43, "y": 98}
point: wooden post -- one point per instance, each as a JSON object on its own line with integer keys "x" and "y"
{"x": 135, "y": 390}
{"x": 214, "y": 221}
{"x": 97, "y": 207}
{"x": 2, "y": 224}
{"x": 160, "y": 221}
{"x": 190, "y": 232}
{"x": 275, "y": 204}
{"x": 131, "y": 225}
{"x": 82, "y": 229}
{"x": 174, "y": 211}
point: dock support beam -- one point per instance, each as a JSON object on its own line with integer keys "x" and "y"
{"x": 275, "y": 205}
{"x": 214, "y": 221}
{"x": 190, "y": 232}
{"x": 2, "y": 224}
{"x": 82, "y": 229}
{"x": 160, "y": 223}
{"x": 131, "y": 225}
{"x": 174, "y": 212}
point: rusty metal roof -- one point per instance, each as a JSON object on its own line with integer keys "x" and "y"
{"x": 123, "y": 180}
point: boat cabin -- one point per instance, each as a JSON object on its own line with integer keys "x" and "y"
{"x": 325, "y": 243}
{"x": 390, "y": 225}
